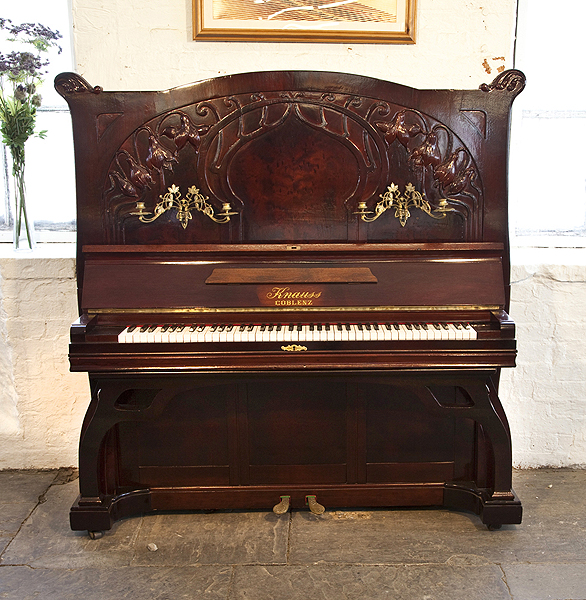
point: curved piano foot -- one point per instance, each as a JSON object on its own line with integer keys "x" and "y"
{"x": 494, "y": 510}
{"x": 99, "y": 514}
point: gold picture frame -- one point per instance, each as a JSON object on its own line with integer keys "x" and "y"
{"x": 342, "y": 21}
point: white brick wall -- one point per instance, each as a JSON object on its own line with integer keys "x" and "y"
{"x": 545, "y": 396}
{"x": 41, "y": 403}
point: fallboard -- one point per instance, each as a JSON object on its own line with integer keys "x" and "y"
{"x": 380, "y": 277}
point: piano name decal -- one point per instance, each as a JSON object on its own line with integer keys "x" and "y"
{"x": 401, "y": 203}
{"x": 287, "y": 296}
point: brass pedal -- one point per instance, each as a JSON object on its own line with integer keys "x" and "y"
{"x": 314, "y": 506}
{"x": 283, "y": 506}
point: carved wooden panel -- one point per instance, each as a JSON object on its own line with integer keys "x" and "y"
{"x": 298, "y": 162}
{"x": 294, "y": 157}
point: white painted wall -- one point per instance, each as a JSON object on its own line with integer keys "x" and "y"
{"x": 133, "y": 44}
{"x": 41, "y": 403}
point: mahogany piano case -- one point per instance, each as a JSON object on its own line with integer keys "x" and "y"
{"x": 293, "y": 291}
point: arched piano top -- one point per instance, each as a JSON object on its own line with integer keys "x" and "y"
{"x": 295, "y": 157}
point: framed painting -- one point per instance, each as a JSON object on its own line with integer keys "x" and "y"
{"x": 345, "y": 21}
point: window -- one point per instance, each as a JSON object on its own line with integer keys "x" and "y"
{"x": 49, "y": 167}
{"x": 548, "y": 156}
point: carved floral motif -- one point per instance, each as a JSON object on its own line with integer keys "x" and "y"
{"x": 209, "y": 134}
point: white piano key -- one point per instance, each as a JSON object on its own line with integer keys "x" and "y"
{"x": 405, "y": 332}
{"x": 137, "y": 335}
{"x": 125, "y": 335}
{"x": 415, "y": 332}
{"x": 331, "y": 333}
{"x": 352, "y": 333}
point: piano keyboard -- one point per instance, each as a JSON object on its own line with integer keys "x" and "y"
{"x": 316, "y": 332}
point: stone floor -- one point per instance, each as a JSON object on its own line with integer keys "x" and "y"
{"x": 343, "y": 554}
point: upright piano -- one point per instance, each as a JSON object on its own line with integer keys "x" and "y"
{"x": 293, "y": 294}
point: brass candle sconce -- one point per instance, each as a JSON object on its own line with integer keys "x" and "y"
{"x": 411, "y": 198}
{"x": 184, "y": 206}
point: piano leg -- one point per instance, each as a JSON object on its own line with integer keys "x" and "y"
{"x": 496, "y": 503}
{"x": 100, "y": 503}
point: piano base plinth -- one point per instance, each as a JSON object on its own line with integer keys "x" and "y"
{"x": 102, "y": 516}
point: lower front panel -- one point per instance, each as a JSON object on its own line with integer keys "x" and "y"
{"x": 203, "y": 442}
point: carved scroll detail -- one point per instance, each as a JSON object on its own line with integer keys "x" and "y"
{"x": 72, "y": 83}
{"x": 510, "y": 81}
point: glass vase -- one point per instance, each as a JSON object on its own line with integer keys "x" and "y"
{"x": 23, "y": 226}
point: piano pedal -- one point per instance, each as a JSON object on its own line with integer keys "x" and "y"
{"x": 283, "y": 506}
{"x": 314, "y": 506}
